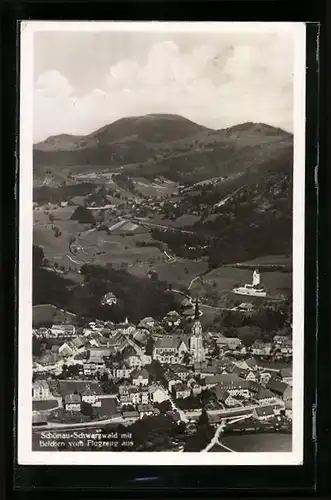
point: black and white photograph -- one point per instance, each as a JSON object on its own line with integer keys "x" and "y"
{"x": 161, "y": 256}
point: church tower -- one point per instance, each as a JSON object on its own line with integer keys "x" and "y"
{"x": 256, "y": 277}
{"x": 196, "y": 341}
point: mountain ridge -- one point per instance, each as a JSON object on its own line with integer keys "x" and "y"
{"x": 162, "y": 145}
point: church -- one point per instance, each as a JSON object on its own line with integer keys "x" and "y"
{"x": 197, "y": 350}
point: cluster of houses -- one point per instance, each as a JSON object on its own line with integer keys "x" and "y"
{"x": 103, "y": 351}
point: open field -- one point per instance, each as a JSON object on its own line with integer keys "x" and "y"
{"x": 99, "y": 247}
{"x": 269, "y": 260}
{"x": 227, "y": 277}
{"x": 45, "y": 313}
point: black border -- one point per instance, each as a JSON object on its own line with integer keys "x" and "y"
{"x": 310, "y": 479}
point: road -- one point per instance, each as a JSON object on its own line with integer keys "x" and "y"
{"x": 98, "y": 423}
{"x": 174, "y": 407}
{"x": 215, "y": 439}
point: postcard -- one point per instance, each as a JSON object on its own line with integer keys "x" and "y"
{"x": 161, "y": 243}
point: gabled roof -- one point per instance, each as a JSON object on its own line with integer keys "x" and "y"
{"x": 167, "y": 342}
{"x": 140, "y": 373}
{"x": 251, "y": 362}
{"x": 221, "y": 394}
{"x": 180, "y": 369}
{"x": 180, "y": 387}
{"x": 173, "y": 315}
{"x": 264, "y": 394}
{"x": 227, "y": 381}
{"x": 276, "y": 386}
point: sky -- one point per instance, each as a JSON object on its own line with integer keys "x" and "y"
{"x": 84, "y": 80}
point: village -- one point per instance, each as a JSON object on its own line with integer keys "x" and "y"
{"x": 120, "y": 373}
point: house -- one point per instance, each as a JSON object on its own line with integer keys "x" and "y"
{"x": 78, "y": 343}
{"x": 209, "y": 370}
{"x": 280, "y": 389}
{"x": 48, "y": 359}
{"x": 247, "y": 364}
{"x": 41, "y": 390}
{"x": 236, "y": 370}
{"x": 181, "y": 391}
{"x": 231, "y": 383}
{"x": 145, "y": 359}
{"x": 223, "y": 396}
{"x": 65, "y": 350}
{"x": 197, "y": 388}
{"x": 265, "y": 397}
{"x": 171, "y": 379}
{"x": 39, "y": 418}
{"x": 286, "y": 375}
{"x": 244, "y": 307}
{"x": 125, "y": 328}
{"x": 144, "y": 395}
{"x": 89, "y": 396}
{"x": 148, "y": 323}
{"x": 264, "y": 413}
{"x": 118, "y": 342}
{"x": 157, "y": 394}
{"x": 109, "y": 299}
{"x": 72, "y": 402}
{"x": 101, "y": 352}
{"x": 228, "y": 343}
{"x": 181, "y": 371}
{"x": 140, "y": 377}
{"x": 134, "y": 395}
{"x": 261, "y": 348}
{"x": 169, "y": 349}
{"x": 63, "y": 331}
{"x": 265, "y": 377}
{"x": 250, "y": 375}
{"x": 134, "y": 361}
{"x": 288, "y": 409}
{"x": 172, "y": 319}
{"x": 130, "y": 415}
{"x": 55, "y": 349}
{"x": 286, "y": 348}
{"x": 147, "y": 410}
{"x": 122, "y": 371}
{"x": 279, "y": 339}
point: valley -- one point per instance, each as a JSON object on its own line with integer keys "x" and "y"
{"x": 196, "y": 213}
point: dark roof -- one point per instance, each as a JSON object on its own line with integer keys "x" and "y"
{"x": 228, "y": 381}
{"x": 286, "y": 372}
{"x": 130, "y": 414}
{"x": 265, "y": 410}
{"x": 276, "y": 386}
{"x": 180, "y": 387}
{"x": 141, "y": 373}
{"x": 221, "y": 394}
{"x": 264, "y": 394}
{"x": 180, "y": 369}
{"x": 251, "y": 362}
{"x": 69, "y": 386}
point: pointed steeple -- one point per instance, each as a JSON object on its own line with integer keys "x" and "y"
{"x": 196, "y": 312}
{"x": 126, "y": 321}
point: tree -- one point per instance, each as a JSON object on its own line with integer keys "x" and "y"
{"x": 186, "y": 358}
{"x": 87, "y": 409}
{"x": 150, "y": 346}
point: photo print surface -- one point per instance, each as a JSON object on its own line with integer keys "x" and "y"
{"x": 161, "y": 243}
